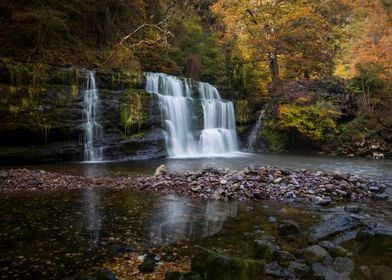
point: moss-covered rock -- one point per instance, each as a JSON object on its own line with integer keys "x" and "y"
{"x": 220, "y": 266}
{"x": 41, "y": 114}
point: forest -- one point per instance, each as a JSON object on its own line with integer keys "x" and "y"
{"x": 299, "y": 57}
{"x": 323, "y": 67}
{"x": 195, "y": 139}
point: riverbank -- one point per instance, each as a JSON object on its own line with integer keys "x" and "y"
{"x": 250, "y": 183}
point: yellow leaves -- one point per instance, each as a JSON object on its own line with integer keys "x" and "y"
{"x": 314, "y": 121}
{"x": 370, "y": 42}
{"x": 125, "y": 267}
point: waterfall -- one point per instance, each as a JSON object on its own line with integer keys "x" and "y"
{"x": 186, "y": 136}
{"x": 92, "y": 129}
{"x": 254, "y": 136}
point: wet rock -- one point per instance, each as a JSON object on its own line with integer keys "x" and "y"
{"x": 338, "y": 269}
{"x": 288, "y": 227}
{"x": 214, "y": 265}
{"x": 314, "y": 254}
{"x": 118, "y": 250}
{"x": 103, "y": 275}
{"x": 352, "y": 208}
{"x": 161, "y": 170}
{"x": 182, "y": 276}
{"x": 331, "y": 227}
{"x": 323, "y": 201}
{"x": 264, "y": 249}
{"x": 302, "y": 270}
{"x": 283, "y": 256}
{"x": 380, "y": 197}
{"x": 377, "y": 189}
{"x": 333, "y": 250}
{"x": 148, "y": 265}
{"x": 271, "y": 219}
{"x": 275, "y": 270}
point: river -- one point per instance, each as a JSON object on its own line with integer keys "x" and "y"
{"x": 57, "y": 234}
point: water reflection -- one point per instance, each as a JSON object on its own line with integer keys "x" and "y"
{"x": 92, "y": 215}
{"x": 92, "y": 170}
{"x": 177, "y": 218}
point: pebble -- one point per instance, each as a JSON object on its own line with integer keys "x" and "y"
{"x": 264, "y": 183}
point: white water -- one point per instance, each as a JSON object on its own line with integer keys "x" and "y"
{"x": 254, "y": 137}
{"x": 92, "y": 129}
{"x": 186, "y": 135}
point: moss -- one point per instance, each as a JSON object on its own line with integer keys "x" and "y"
{"x": 127, "y": 78}
{"x": 132, "y": 111}
{"x": 243, "y": 112}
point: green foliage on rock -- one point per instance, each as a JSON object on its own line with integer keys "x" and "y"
{"x": 316, "y": 121}
{"x": 132, "y": 111}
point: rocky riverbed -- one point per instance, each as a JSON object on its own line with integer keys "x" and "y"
{"x": 250, "y": 183}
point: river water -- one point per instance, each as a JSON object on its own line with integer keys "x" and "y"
{"x": 377, "y": 169}
{"x": 51, "y": 235}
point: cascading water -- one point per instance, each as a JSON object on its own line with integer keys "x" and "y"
{"x": 92, "y": 129}
{"x": 254, "y": 136}
{"x": 184, "y": 137}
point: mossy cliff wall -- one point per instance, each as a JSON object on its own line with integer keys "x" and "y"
{"x": 41, "y": 114}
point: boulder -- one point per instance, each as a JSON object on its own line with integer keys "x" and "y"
{"x": 314, "y": 254}
{"x": 215, "y": 265}
{"x": 331, "y": 227}
{"x": 264, "y": 249}
{"x": 161, "y": 170}
{"x": 288, "y": 227}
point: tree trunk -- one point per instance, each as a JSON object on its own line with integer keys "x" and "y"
{"x": 273, "y": 66}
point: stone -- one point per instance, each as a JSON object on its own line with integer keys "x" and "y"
{"x": 300, "y": 268}
{"x": 118, "y": 250}
{"x": 381, "y": 197}
{"x": 323, "y": 201}
{"x": 332, "y": 226}
{"x": 271, "y": 219}
{"x": 161, "y": 170}
{"x": 352, "y": 208}
{"x": 104, "y": 275}
{"x": 175, "y": 275}
{"x": 196, "y": 189}
{"x": 264, "y": 249}
{"x": 216, "y": 265}
{"x": 329, "y": 187}
{"x": 288, "y": 227}
{"x": 335, "y": 269}
{"x": 314, "y": 254}
{"x": 223, "y": 182}
{"x": 377, "y": 189}
{"x": 283, "y": 256}
{"x": 333, "y": 250}
{"x": 275, "y": 270}
{"x": 148, "y": 264}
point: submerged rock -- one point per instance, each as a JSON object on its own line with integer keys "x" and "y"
{"x": 214, "y": 265}
{"x": 331, "y": 227}
{"x": 314, "y": 254}
{"x": 337, "y": 269}
{"x": 288, "y": 227}
{"x": 182, "y": 276}
{"x": 264, "y": 249}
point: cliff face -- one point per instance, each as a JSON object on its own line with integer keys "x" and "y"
{"x": 41, "y": 115}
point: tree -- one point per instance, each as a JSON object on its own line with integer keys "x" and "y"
{"x": 298, "y": 32}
